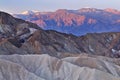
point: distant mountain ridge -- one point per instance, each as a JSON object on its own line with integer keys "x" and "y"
{"x": 77, "y": 22}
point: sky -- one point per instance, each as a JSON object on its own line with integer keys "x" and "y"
{"x": 18, "y": 6}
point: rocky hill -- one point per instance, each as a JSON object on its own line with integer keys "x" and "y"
{"x": 77, "y": 22}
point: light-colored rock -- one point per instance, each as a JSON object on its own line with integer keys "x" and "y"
{"x": 35, "y": 67}
{"x": 13, "y": 71}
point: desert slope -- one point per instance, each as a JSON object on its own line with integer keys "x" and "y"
{"x": 35, "y": 67}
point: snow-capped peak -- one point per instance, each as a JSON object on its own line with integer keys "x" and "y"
{"x": 29, "y": 12}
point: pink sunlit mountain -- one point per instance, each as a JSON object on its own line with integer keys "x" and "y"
{"x": 77, "y": 22}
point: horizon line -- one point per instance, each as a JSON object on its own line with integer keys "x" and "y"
{"x": 57, "y": 9}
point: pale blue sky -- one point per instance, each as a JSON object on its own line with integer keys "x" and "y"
{"x": 17, "y": 6}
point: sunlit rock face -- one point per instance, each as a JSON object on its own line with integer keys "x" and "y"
{"x": 78, "y": 22}
{"x": 45, "y": 67}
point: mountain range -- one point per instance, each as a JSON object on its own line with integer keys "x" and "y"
{"x": 22, "y": 37}
{"x": 27, "y": 52}
{"x": 77, "y": 22}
